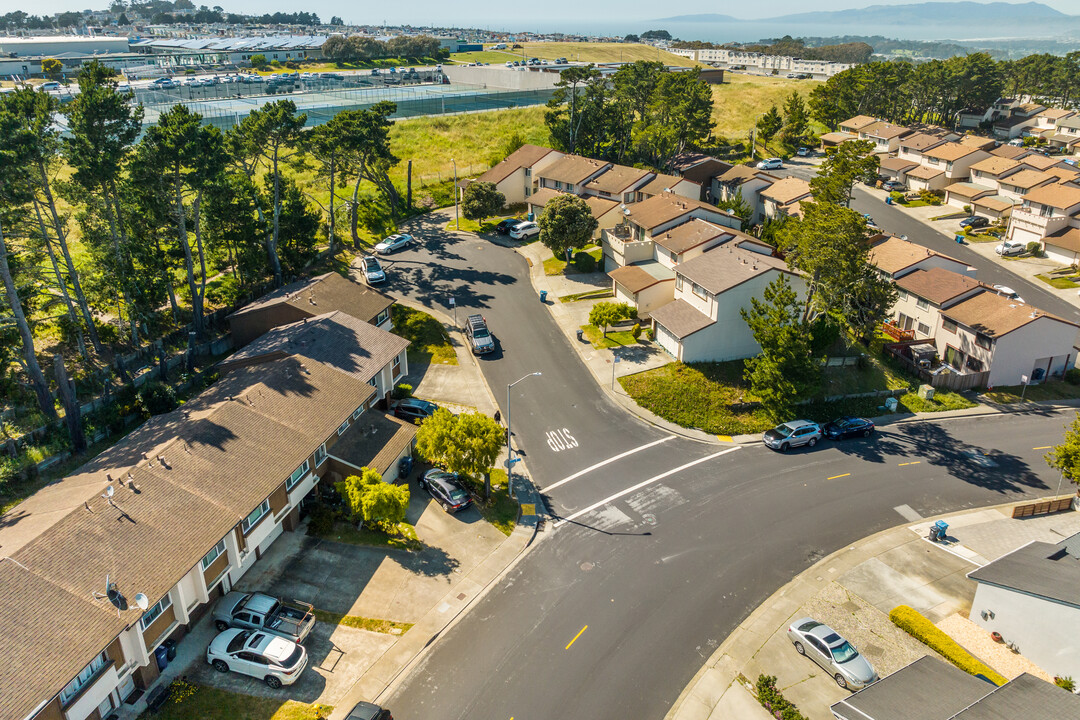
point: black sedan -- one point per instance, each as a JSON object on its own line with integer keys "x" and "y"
{"x": 846, "y": 427}
{"x": 505, "y": 226}
{"x": 446, "y": 489}
{"x": 415, "y": 409}
{"x": 975, "y": 221}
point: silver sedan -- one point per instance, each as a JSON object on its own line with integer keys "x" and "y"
{"x": 833, "y": 653}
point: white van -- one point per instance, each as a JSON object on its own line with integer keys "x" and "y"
{"x": 499, "y": 46}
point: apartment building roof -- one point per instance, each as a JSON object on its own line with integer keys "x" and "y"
{"x": 681, "y": 318}
{"x": 524, "y": 156}
{"x": 1063, "y": 174}
{"x": 1071, "y": 122}
{"x": 995, "y": 315}
{"x": 1055, "y": 195}
{"x": 858, "y": 122}
{"x": 665, "y": 207}
{"x": 323, "y": 294}
{"x": 925, "y": 172}
{"x": 1056, "y": 113}
{"x": 920, "y": 141}
{"x": 997, "y": 203}
{"x": 787, "y": 190}
{"x": 838, "y": 137}
{"x": 995, "y": 165}
{"x": 181, "y": 482}
{"x": 1010, "y": 151}
{"x": 739, "y": 174}
{"x": 884, "y": 130}
{"x": 1027, "y": 179}
{"x": 640, "y": 276}
{"x": 1067, "y": 237}
{"x": 968, "y": 190}
{"x": 617, "y": 179}
{"x": 977, "y": 142}
{"x": 937, "y": 285}
{"x": 690, "y": 235}
{"x": 572, "y": 169}
{"x": 722, "y": 268}
{"x": 1040, "y": 162}
{"x": 896, "y": 164}
{"x": 1029, "y": 108}
{"x": 892, "y": 254}
{"x": 950, "y": 151}
{"x": 1024, "y": 696}
{"x": 705, "y": 170}
{"x": 374, "y": 440}
{"x": 659, "y": 184}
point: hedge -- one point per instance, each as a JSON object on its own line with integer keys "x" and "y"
{"x": 774, "y": 701}
{"x": 919, "y": 627}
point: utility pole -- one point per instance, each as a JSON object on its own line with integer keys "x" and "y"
{"x": 457, "y": 213}
{"x": 509, "y": 433}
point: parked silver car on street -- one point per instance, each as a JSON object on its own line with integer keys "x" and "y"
{"x": 793, "y": 433}
{"x": 833, "y": 653}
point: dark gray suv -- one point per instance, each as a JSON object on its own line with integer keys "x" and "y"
{"x": 480, "y": 340}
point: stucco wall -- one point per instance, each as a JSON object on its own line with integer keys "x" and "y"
{"x": 1033, "y": 345}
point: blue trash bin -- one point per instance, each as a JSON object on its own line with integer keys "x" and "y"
{"x": 543, "y": 296}
{"x": 959, "y": 239}
{"x": 162, "y": 657}
{"x": 888, "y": 199}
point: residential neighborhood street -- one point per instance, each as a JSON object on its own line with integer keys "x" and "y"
{"x": 661, "y": 545}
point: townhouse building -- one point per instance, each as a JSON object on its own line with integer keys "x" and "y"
{"x": 514, "y": 175}
{"x": 923, "y": 294}
{"x": 1066, "y": 133}
{"x": 1047, "y": 212}
{"x": 1018, "y": 120}
{"x": 885, "y": 136}
{"x": 662, "y": 183}
{"x": 570, "y": 173}
{"x": 943, "y": 165}
{"x": 782, "y": 198}
{"x": 895, "y": 257}
{"x": 747, "y": 181}
{"x": 734, "y": 57}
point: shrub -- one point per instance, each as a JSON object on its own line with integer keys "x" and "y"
{"x": 108, "y": 334}
{"x": 1072, "y": 376}
{"x": 180, "y": 690}
{"x": 1034, "y": 248}
{"x": 402, "y": 391}
{"x": 320, "y": 519}
{"x": 774, "y": 701}
{"x": 650, "y": 333}
{"x": 635, "y": 332}
{"x": 896, "y": 196}
{"x": 258, "y": 61}
{"x": 156, "y": 398}
{"x": 276, "y": 63}
{"x": 919, "y": 627}
{"x": 376, "y": 502}
{"x": 967, "y": 208}
{"x": 585, "y": 262}
{"x": 292, "y": 65}
{"x": 1065, "y": 683}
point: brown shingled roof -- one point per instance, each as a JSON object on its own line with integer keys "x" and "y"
{"x": 896, "y": 164}
{"x": 681, "y": 318}
{"x": 1055, "y": 195}
{"x": 1010, "y": 151}
{"x": 924, "y": 172}
{"x": 634, "y": 278}
{"x": 374, "y": 440}
{"x": 666, "y": 207}
{"x": 950, "y": 151}
{"x": 1040, "y": 162}
{"x": 995, "y": 315}
{"x": 725, "y": 267}
{"x": 920, "y": 141}
{"x": 524, "y": 156}
{"x": 323, "y": 294}
{"x": 892, "y": 254}
{"x": 937, "y": 285}
{"x": 572, "y": 169}
{"x": 858, "y": 122}
{"x": 1026, "y": 179}
{"x": 787, "y": 190}
{"x": 1067, "y": 237}
{"x": 689, "y": 235}
{"x": 617, "y": 179}
{"x": 884, "y": 130}
{"x": 995, "y": 165}
{"x": 660, "y": 183}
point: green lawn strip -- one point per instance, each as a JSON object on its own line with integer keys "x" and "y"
{"x": 615, "y": 338}
{"x": 405, "y": 539}
{"x": 1061, "y": 283}
{"x": 473, "y": 226}
{"x": 387, "y": 627}
{"x": 428, "y": 340}
{"x": 501, "y": 511}
{"x": 1054, "y": 390}
{"x": 590, "y": 295}
{"x": 557, "y": 266}
{"x": 210, "y": 703}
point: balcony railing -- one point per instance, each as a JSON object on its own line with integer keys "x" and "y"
{"x": 896, "y": 332}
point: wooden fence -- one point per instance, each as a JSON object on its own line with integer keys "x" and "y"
{"x": 1043, "y": 507}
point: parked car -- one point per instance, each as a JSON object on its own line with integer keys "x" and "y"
{"x": 1008, "y": 292}
{"x": 257, "y": 611}
{"x": 505, "y": 226}
{"x": 771, "y": 164}
{"x": 374, "y": 71}
{"x": 446, "y": 489}
{"x": 373, "y": 271}
{"x": 1010, "y": 247}
{"x": 51, "y": 86}
{"x": 414, "y": 409}
{"x": 480, "y": 340}
{"x": 893, "y": 186}
{"x": 394, "y": 243}
{"x": 833, "y": 653}
{"x": 525, "y": 230}
{"x": 793, "y": 433}
{"x": 274, "y": 660}
{"x": 367, "y": 711}
{"x": 804, "y": 152}
{"x": 974, "y": 221}
{"x": 846, "y": 427}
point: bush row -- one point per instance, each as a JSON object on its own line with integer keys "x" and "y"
{"x": 919, "y": 627}
{"x": 774, "y": 701}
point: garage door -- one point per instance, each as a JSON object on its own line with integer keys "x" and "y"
{"x": 666, "y": 340}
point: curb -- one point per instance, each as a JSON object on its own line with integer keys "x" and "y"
{"x": 767, "y": 604}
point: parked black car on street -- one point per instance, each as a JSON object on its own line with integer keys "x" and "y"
{"x": 846, "y": 427}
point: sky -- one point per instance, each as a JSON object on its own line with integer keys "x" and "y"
{"x": 500, "y": 15}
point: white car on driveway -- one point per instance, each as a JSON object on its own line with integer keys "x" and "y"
{"x": 373, "y": 271}
{"x": 394, "y": 243}
{"x": 524, "y": 230}
{"x": 272, "y": 659}
{"x": 1010, "y": 247}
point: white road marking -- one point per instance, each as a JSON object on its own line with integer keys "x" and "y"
{"x": 908, "y": 513}
{"x": 561, "y": 439}
{"x": 602, "y": 463}
{"x": 644, "y": 483}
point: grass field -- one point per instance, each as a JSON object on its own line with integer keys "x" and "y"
{"x": 604, "y": 52}
{"x": 429, "y": 341}
{"x": 741, "y": 99}
{"x": 495, "y": 57}
{"x": 1055, "y": 390}
{"x": 209, "y": 703}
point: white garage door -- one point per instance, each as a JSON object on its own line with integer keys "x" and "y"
{"x": 666, "y": 340}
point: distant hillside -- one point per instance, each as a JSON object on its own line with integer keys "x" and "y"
{"x": 701, "y": 17}
{"x": 930, "y": 13}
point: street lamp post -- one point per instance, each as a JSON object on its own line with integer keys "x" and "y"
{"x": 509, "y": 447}
{"x": 457, "y": 214}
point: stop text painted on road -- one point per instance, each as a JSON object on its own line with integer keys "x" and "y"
{"x": 561, "y": 439}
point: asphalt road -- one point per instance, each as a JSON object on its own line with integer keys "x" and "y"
{"x": 666, "y": 544}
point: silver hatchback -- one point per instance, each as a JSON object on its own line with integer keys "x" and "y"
{"x": 833, "y": 653}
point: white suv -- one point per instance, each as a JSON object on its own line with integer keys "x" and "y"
{"x": 525, "y": 230}
{"x": 272, "y": 659}
{"x": 771, "y": 164}
{"x": 792, "y": 434}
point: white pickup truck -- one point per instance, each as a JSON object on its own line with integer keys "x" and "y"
{"x": 256, "y": 611}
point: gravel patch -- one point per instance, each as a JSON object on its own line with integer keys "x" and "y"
{"x": 977, "y": 641}
{"x": 887, "y": 647}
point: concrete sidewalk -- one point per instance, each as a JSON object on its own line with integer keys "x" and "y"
{"x": 853, "y": 590}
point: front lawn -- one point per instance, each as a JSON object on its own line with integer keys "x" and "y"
{"x": 501, "y": 511}
{"x": 209, "y": 703}
{"x": 1061, "y": 283}
{"x": 428, "y": 340}
{"x": 473, "y": 226}
{"x": 590, "y": 295}
{"x": 1053, "y": 390}
{"x": 615, "y": 338}
{"x": 558, "y": 266}
{"x": 405, "y": 539}
{"x": 387, "y": 627}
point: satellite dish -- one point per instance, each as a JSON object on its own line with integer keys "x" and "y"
{"x": 116, "y": 598}
{"x": 142, "y": 601}
{"x": 110, "y": 491}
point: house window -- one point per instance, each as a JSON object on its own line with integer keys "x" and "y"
{"x": 954, "y": 357}
{"x": 343, "y": 427}
{"x": 214, "y": 554}
{"x": 974, "y": 364}
{"x": 375, "y": 399}
{"x": 85, "y": 675}
{"x": 395, "y": 371}
{"x": 902, "y": 295}
{"x": 528, "y": 191}
{"x": 256, "y": 515}
{"x": 155, "y": 612}
{"x": 700, "y": 291}
{"x": 528, "y": 172}
{"x": 678, "y": 282}
{"x": 357, "y": 412}
{"x": 1046, "y": 211}
{"x": 922, "y": 303}
{"x": 947, "y": 324}
{"x": 320, "y": 455}
{"x": 924, "y": 329}
{"x": 558, "y": 185}
{"x": 382, "y": 317}
{"x": 983, "y": 341}
{"x": 296, "y": 475}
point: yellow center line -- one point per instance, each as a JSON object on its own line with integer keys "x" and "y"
{"x": 577, "y": 636}
{"x": 838, "y": 476}
{"x": 1044, "y": 447}
{"x": 913, "y": 462}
